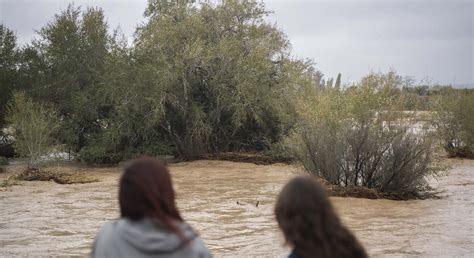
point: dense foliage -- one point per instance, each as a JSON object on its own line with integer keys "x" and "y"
{"x": 210, "y": 78}
{"x": 199, "y": 78}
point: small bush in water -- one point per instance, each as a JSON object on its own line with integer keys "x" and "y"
{"x": 360, "y": 137}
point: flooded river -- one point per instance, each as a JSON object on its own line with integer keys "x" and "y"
{"x": 218, "y": 199}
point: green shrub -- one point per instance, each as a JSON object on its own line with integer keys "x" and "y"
{"x": 33, "y": 126}
{"x": 360, "y": 137}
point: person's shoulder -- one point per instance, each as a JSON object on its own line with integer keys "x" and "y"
{"x": 196, "y": 244}
{"x": 102, "y": 238}
{"x": 107, "y": 228}
{"x": 200, "y": 248}
{"x": 109, "y": 224}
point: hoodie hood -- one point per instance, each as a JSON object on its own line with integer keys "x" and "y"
{"x": 147, "y": 238}
{"x": 150, "y": 237}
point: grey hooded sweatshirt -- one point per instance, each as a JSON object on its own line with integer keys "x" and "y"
{"x": 143, "y": 238}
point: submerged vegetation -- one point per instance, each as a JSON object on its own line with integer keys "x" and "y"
{"x": 57, "y": 177}
{"x": 8, "y": 182}
{"x": 33, "y": 174}
{"x": 362, "y": 137}
{"x": 212, "y": 79}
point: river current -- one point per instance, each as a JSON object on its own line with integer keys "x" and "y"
{"x": 219, "y": 199}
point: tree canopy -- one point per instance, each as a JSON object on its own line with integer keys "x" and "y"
{"x": 199, "y": 77}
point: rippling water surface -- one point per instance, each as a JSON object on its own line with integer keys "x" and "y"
{"x": 219, "y": 200}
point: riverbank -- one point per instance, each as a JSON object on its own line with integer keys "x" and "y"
{"x": 254, "y": 158}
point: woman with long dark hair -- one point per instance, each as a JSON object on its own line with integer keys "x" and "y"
{"x": 310, "y": 224}
{"x": 150, "y": 224}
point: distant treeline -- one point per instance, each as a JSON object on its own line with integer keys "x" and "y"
{"x": 426, "y": 98}
{"x": 198, "y": 78}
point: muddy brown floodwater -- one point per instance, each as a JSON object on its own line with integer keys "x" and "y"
{"x": 45, "y": 218}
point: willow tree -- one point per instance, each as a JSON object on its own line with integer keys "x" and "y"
{"x": 220, "y": 76}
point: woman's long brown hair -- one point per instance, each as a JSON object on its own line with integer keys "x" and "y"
{"x": 146, "y": 191}
{"x": 310, "y": 224}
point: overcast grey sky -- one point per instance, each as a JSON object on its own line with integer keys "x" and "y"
{"x": 426, "y": 39}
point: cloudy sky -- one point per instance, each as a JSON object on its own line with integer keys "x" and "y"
{"x": 430, "y": 40}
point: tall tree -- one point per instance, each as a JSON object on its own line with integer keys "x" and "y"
{"x": 221, "y": 72}
{"x": 9, "y": 58}
{"x": 74, "y": 50}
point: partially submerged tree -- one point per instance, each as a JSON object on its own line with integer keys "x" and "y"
{"x": 362, "y": 137}
{"x": 32, "y": 127}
